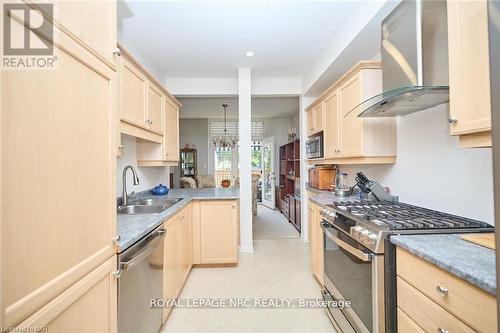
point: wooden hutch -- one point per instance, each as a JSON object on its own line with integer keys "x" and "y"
{"x": 288, "y": 190}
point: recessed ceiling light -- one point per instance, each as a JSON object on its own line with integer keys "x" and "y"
{"x": 249, "y": 53}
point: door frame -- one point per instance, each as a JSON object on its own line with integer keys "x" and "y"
{"x": 269, "y": 203}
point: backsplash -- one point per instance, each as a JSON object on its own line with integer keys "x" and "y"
{"x": 433, "y": 171}
{"x": 149, "y": 176}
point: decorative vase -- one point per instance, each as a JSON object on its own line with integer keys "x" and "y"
{"x": 225, "y": 183}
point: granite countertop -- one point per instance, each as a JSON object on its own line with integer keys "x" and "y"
{"x": 466, "y": 260}
{"x": 324, "y": 198}
{"x": 131, "y": 228}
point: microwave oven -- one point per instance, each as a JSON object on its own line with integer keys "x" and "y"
{"x": 314, "y": 147}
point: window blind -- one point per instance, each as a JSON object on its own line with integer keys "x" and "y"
{"x": 216, "y": 128}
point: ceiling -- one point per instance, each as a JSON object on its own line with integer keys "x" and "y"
{"x": 262, "y": 107}
{"x": 208, "y": 39}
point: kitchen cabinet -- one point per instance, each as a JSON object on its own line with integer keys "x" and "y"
{"x": 316, "y": 238}
{"x": 348, "y": 139}
{"x": 59, "y": 140}
{"x": 315, "y": 119}
{"x": 132, "y": 94}
{"x": 140, "y": 101}
{"x": 155, "y": 108}
{"x": 171, "y": 143}
{"x": 215, "y": 232}
{"x": 177, "y": 255}
{"x": 90, "y": 305}
{"x": 434, "y": 299}
{"x": 92, "y": 23}
{"x": 468, "y": 55}
{"x": 165, "y": 153}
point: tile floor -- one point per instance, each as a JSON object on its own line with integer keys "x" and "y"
{"x": 278, "y": 268}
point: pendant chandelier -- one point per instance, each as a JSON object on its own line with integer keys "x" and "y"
{"x": 224, "y": 140}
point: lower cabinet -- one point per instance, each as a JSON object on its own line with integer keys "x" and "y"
{"x": 177, "y": 255}
{"x": 215, "y": 232}
{"x": 90, "y": 305}
{"x": 430, "y": 299}
{"x": 316, "y": 238}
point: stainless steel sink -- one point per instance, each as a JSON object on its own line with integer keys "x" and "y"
{"x": 168, "y": 202}
{"x": 141, "y": 209}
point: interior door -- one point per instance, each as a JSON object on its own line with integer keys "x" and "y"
{"x": 268, "y": 173}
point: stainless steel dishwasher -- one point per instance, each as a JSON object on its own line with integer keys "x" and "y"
{"x": 141, "y": 279}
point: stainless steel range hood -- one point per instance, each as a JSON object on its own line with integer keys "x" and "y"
{"x": 414, "y": 58}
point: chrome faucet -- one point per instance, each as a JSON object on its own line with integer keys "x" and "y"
{"x": 124, "y": 182}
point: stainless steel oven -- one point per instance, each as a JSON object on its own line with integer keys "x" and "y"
{"x": 314, "y": 147}
{"x": 352, "y": 273}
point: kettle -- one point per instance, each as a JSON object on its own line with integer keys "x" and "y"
{"x": 160, "y": 190}
{"x": 341, "y": 187}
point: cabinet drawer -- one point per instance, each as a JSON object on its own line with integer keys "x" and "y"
{"x": 425, "y": 313}
{"x": 406, "y": 324}
{"x": 469, "y": 303}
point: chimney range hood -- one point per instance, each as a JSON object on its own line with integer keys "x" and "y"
{"x": 414, "y": 60}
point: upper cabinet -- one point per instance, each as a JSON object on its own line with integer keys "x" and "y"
{"x": 148, "y": 112}
{"x": 348, "y": 139}
{"x": 132, "y": 94}
{"x": 470, "y": 110}
{"x": 171, "y": 146}
{"x": 315, "y": 118}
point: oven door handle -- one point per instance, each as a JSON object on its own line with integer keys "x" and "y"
{"x": 366, "y": 257}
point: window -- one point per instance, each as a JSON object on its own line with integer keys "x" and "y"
{"x": 225, "y": 160}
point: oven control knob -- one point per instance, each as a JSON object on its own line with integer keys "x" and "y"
{"x": 332, "y": 214}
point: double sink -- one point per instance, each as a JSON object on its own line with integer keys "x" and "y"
{"x": 148, "y": 206}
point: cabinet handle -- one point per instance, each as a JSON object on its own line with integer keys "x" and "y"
{"x": 442, "y": 290}
{"x": 117, "y": 52}
{"x": 151, "y": 122}
{"x": 116, "y": 239}
{"x": 146, "y": 121}
{"x": 120, "y": 147}
{"x": 452, "y": 120}
{"x": 117, "y": 273}
{"x": 442, "y": 330}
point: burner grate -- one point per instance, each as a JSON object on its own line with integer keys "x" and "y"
{"x": 399, "y": 216}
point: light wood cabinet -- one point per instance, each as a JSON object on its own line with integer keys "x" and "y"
{"x": 58, "y": 137}
{"x": 156, "y": 102}
{"x": 215, "y": 232}
{"x": 331, "y": 137}
{"x": 314, "y": 217}
{"x": 177, "y": 255}
{"x": 171, "y": 143}
{"x": 347, "y": 138}
{"x": 90, "y": 305}
{"x": 165, "y": 153}
{"x": 315, "y": 120}
{"x": 171, "y": 267}
{"x": 91, "y": 23}
{"x": 469, "y": 72}
{"x": 132, "y": 94}
{"x": 218, "y": 232}
{"x": 140, "y": 101}
{"x": 463, "y": 308}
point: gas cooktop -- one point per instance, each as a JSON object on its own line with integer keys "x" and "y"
{"x": 398, "y": 216}
{"x": 372, "y": 222}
